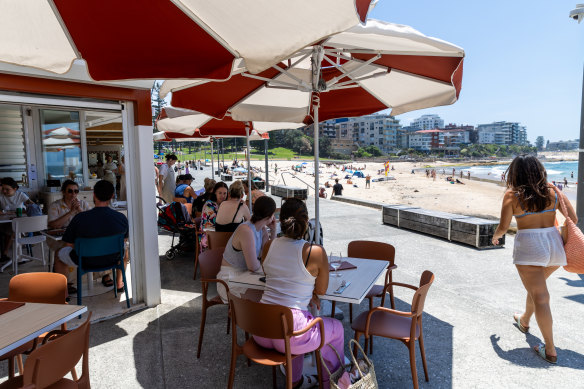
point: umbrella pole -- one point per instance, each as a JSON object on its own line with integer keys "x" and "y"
{"x": 267, "y": 171}
{"x": 212, "y": 169}
{"x": 248, "y": 167}
{"x": 317, "y": 57}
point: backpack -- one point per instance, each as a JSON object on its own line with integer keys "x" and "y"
{"x": 310, "y": 232}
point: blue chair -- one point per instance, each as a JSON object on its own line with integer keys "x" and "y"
{"x": 96, "y": 247}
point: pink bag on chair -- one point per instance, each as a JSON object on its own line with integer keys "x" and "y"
{"x": 573, "y": 241}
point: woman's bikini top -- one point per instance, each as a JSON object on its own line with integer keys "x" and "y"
{"x": 544, "y": 211}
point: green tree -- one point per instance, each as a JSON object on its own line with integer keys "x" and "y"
{"x": 374, "y": 151}
{"x": 157, "y": 103}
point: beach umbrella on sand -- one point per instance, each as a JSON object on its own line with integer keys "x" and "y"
{"x": 362, "y": 70}
{"x": 200, "y": 39}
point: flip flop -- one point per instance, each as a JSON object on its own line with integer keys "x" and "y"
{"x": 520, "y": 327}
{"x": 107, "y": 282}
{"x": 308, "y": 381}
{"x": 540, "y": 350}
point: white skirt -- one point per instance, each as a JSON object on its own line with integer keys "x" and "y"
{"x": 539, "y": 247}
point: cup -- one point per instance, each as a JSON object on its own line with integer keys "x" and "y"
{"x": 18, "y": 212}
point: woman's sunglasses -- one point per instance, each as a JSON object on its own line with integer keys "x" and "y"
{"x": 72, "y": 190}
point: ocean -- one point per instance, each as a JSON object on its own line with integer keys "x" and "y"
{"x": 556, "y": 171}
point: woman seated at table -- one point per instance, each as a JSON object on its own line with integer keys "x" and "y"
{"x": 62, "y": 211}
{"x": 296, "y": 272}
{"x": 244, "y": 248}
{"x": 184, "y": 189}
{"x": 10, "y": 199}
{"x": 200, "y": 201}
{"x": 255, "y": 193}
{"x": 233, "y": 211}
{"x": 217, "y": 197}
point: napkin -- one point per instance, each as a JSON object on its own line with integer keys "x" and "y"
{"x": 344, "y": 266}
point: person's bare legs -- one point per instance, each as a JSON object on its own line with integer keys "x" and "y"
{"x": 534, "y": 281}
{"x": 529, "y": 307}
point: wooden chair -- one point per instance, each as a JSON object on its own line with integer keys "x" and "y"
{"x": 47, "y": 365}
{"x": 45, "y": 288}
{"x": 276, "y": 323}
{"x": 403, "y": 326}
{"x": 210, "y": 263}
{"x": 197, "y": 223}
{"x": 373, "y": 250}
{"x": 217, "y": 239}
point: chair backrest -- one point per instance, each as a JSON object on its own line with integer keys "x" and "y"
{"x": 46, "y": 288}
{"x": 419, "y": 298}
{"x": 55, "y": 359}
{"x": 371, "y": 250}
{"x": 210, "y": 262}
{"x": 29, "y": 224}
{"x": 97, "y": 247}
{"x": 216, "y": 239}
{"x": 276, "y": 321}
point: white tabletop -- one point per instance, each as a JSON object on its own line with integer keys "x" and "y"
{"x": 26, "y": 323}
{"x": 362, "y": 280}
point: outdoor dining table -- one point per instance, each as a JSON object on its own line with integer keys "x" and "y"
{"x": 25, "y": 323}
{"x": 361, "y": 280}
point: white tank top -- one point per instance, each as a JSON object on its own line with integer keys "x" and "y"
{"x": 288, "y": 282}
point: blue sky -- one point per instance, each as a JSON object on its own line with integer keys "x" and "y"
{"x": 524, "y": 60}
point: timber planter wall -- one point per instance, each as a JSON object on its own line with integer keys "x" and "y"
{"x": 470, "y": 230}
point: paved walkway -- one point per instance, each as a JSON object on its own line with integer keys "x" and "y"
{"x": 469, "y": 334}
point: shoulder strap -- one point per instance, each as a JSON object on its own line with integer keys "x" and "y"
{"x": 562, "y": 206}
{"x": 307, "y": 258}
{"x": 236, "y": 211}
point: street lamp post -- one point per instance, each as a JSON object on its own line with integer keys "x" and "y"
{"x": 578, "y": 14}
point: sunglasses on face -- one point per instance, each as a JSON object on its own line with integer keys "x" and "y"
{"x": 72, "y": 190}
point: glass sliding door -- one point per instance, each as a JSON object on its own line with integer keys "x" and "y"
{"x": 61, "y": 145}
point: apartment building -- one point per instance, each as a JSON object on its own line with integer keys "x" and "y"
{"x": 563, "y": 145}
{"x": 427, "y": 122}
{"x": 502, "y": 133}
{"x": 437, "y": 139}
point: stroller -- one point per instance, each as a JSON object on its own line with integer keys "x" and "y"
{"x": 174, "y": 217}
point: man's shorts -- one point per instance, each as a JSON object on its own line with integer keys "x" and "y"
{"x": 65, "y": 256}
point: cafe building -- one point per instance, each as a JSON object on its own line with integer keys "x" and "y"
{"x": 59, "y": 126}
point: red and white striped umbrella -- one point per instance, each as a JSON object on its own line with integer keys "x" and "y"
{"x": 165, "y": 39}
{"x": 360, "y": 71}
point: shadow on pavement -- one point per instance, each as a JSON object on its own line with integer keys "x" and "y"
{"x": 526, "y": 356}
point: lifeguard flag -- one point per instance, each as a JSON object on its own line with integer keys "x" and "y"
{"x": 386, "y": 168}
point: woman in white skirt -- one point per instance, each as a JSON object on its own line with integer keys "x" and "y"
{"x": 538, "y": 249}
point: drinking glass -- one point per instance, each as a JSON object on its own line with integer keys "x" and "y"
{"x": 335, "y": 261}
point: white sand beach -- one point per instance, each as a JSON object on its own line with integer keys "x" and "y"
{"x": 473, "y": 198}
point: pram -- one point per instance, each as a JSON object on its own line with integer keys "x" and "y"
{"x": 174, "y": 218}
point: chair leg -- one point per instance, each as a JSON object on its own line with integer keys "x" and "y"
{"x": 370, "y": 336}
{"x": 115, "y": 280}
{"x": 202, "y": 328}
{"x": 350, "y": 313}
{"x": 274, "y": 383}
{"x": 391, "y": 298}
{"x": 125, "y": 285}
{"x": 20, "y": 364}
{"x": 334, "y": 304}
{"x": 196, "y": 261}
{"x": 412, "y": 348}
{"x": 43, "y": 253}
{"x": 319, "y": 369}
{"x": 79, "y": 285}
{"x": 11, "y": 367}
{"x": 74, "y": 375}
{"x": 423, "y": 354}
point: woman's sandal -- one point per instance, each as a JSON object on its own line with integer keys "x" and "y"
{"x": 107, "y": 281}
{"x": 308, "y": 381}
{"x": 521, "y": 327}
{"x": 540, "y": 350}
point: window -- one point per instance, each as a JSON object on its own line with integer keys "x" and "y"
{"x": 12, "y": 151}
{"x": 61, "y": 140}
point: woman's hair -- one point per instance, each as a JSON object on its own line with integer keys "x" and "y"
{"x": 236, "y": 190}
{"x": 263, "y": 207}
{"x": 10, "y": 182}
{"x": 293, "y": 218}
{"x": 218, "y": 185}
{"x": 66, "y": 183}
{"x": 253, "y": 185}
{"x": 209, "y": 185}
{"x": 527, "y": 179}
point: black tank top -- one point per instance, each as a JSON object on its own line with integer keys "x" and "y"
{"x": 229, "y": 227}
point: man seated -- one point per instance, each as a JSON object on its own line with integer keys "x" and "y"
{"x": 98, "y": 222}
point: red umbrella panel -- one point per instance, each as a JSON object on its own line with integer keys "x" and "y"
{"x": 165, "y": 39}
